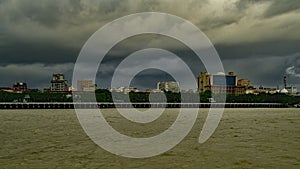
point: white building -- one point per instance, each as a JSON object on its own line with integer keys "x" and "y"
{"x": 292, "y": 89}
{"x": 284, "y": 91}
{"x": 123, "y": 89}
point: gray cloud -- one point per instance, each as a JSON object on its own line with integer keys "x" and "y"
{"x": 52, "y": 32}
{"x": 292, "y": 71}
{"x": 279, "y": 7}
{"x": 36, "y": 75}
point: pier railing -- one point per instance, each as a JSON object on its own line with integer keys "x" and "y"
{"x": 70, "y": 105}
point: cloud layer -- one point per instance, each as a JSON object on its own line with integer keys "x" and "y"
{"x": 258, "y": 40}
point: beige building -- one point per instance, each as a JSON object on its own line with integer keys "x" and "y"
{"x": 243, "y": 82}
{"x": 168, "y": 86}
{"x": 86, "y": 86}
{"x": 259, "y": 90}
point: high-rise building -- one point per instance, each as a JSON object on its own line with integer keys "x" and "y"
{"x": 219, "y": 83}
{"x": 168, "y": 86}
{"x": 86, "y": 86}
{"x": 58, "y": 83}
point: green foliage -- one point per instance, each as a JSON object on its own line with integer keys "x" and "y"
{"x": 103, "y": 95}
{"x": 34, "y": 97}
{"x": 264, "y": 98}
{"x": 204, "y": 96}
{"x": 10, "y": 97}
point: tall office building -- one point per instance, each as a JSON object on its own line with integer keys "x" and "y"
{"x": 58, "y": 83}
{"x": 219, "y": 83}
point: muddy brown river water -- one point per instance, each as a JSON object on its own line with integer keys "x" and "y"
{"x": 245, "y": 138}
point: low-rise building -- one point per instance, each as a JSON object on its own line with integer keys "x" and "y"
{"x": 86, "y": 86}
{"x": 243, "y": 82}
{"x": 123, "y": 89}
{"x": 20, "y": 87}
{"x": 292, "y": 89}
{"x": 71, "y": 88}
{"x": 6, "y": 89}
{"x": 168, "y": 86}
{"x": 157, "y": 91}
{"x": 259, "y": 90}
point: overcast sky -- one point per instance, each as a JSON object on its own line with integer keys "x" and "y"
{"x": 257, "y": 39}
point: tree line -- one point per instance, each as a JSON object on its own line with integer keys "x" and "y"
{"x": 103, "y": 95}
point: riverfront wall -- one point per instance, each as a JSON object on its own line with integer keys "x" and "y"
{"x": 136, "y": 105}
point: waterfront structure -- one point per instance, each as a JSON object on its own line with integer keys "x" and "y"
{"x": 168, "y": 86}
{"x": 83, "y": 105}
{"x": 220, "y": 83}
{"x": 20, "y": 87}
{"x": 58, "y": 83}
{"x": 86, "y": 86}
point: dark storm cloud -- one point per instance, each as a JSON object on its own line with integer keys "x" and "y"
{"x": 28, "y": 53}
{"x": 292, "y": 70}
{"x": 49, "y": 31}
{"x": 52, "y": 32}
{"x": 276, "y": 7}
{"x": 148, "y": 78}
{"x": 267, "y": 72}
{"x": 37, "y": 75}
{"x": 282, "y": 6}
{"x": 258, "y": 49}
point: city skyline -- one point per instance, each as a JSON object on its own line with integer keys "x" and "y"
{"x": 205, "y": 82}
{"x": 257, "y": 39}
{"x": 153, "y": 85}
